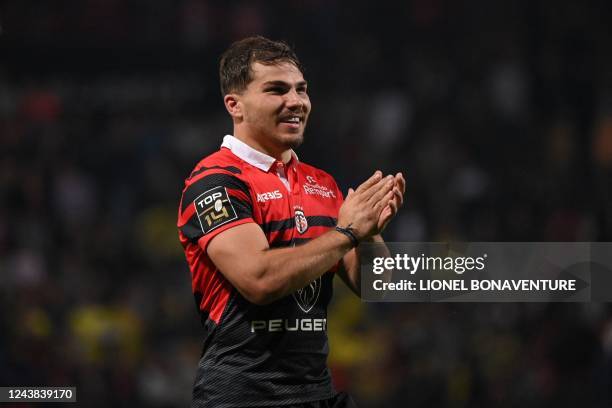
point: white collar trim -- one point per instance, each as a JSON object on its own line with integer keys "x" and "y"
{"x": 254, "y": 157}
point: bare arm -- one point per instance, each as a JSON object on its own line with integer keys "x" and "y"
{"x": 263, "y": 275}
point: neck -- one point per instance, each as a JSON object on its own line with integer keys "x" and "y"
{"x": 281, "y": 154}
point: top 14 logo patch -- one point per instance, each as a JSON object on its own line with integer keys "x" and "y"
{"x": 214, "y": 209}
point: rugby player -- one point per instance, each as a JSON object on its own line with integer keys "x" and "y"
{"x": 264, "y": 235}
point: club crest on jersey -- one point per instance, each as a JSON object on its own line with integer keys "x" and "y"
{"x": 301, "y": 222}
{"x": 214, "y": 209}
{"x": 307, "y": 297}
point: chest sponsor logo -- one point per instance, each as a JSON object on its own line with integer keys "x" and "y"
{"x": 281, "y": 325}
{"x": 214, "y": 209}
{"x": 314, "y": 188}
{"x": 307, "y": 297}
{"x": 301, "y": 222}
{"x": 270, "y": 195}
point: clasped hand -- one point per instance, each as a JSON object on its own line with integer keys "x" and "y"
{"x": 368, "y": 209}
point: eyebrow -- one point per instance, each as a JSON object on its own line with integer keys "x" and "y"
{"x": 283, "y": 83}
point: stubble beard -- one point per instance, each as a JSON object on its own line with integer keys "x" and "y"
{"x": 290, "y": 140}
{"x": 295, "y": 142}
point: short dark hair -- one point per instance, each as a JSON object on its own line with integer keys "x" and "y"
{"x": 235, "y": 71}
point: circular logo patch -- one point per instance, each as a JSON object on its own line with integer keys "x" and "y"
{"x": 301, "y": 223}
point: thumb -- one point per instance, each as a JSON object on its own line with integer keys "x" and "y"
{"x": 350, "y": 191}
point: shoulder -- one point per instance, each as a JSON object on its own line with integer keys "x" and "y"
{"x": 216, "y": 196}
{"x": 315, "y": 172}
{"x": 221, "y": 170}
{"x": 221, "y": 161}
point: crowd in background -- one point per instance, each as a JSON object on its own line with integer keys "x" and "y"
{"x": 499, "y": 114}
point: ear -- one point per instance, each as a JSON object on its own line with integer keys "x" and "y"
{"x": 233, "y": 105}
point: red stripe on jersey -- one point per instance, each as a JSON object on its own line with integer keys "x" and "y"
{"x": 313, "y": 232}
{"x": 284, "y": 235}
{"x": 205, "y": 239}
{"x": 239, "y": 194}
{"x": 206, "y": 279}
{"x": 186, "y": 215}
{"x": 205, "y": 173}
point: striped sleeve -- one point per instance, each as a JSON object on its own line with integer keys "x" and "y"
{"x": 211, "y": 203}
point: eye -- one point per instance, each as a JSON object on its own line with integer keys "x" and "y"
{"x": 276, "y": 90}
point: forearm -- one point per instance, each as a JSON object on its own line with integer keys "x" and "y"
{"x": 380, "y": 251}
{"x": 352, "y": 264}
{"x": 285, "y": 270}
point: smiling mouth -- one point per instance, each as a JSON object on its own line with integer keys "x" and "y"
{"x": 293, "y": 121}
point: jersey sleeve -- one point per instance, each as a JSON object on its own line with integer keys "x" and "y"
{"x": 212, "y": 203}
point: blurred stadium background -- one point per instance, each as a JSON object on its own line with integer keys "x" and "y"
{"x": 499, "y": 113}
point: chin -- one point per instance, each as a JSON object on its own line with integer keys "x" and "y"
{"x": 293, "y": 141}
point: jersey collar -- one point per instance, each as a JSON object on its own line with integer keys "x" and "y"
{"x": 254, "y": 157}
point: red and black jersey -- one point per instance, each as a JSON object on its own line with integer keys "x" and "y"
{"x": 258, "y": 355}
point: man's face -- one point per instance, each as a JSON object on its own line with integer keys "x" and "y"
{"x": 275, "y": 105}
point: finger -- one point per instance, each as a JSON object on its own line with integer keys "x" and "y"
{"x": 400, "y": 182}
{"x": 368, "y": 192}
{"x": 350, "y": 192}
{"x": 385, "y": 188}
{"x": 391, "y": 207}
{"x": 385, "y": 217}
{"x": 383, "y": 202}
{"x": 377, "y": 192}
{"x": 398, "y": 197}
{"x": 375, "y": 178}
{"x": 394, "y": 206}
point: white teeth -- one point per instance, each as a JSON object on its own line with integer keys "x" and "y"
{"x": 294, "y": 120}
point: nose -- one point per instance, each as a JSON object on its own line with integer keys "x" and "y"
{"x": 293, "y": 100}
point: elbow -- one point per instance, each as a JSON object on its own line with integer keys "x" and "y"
{"x": 257, "y": 285}
{"x": 259, "y": 299}
{"x": 259, "y": 295}
{"x": 260, "y": 292}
